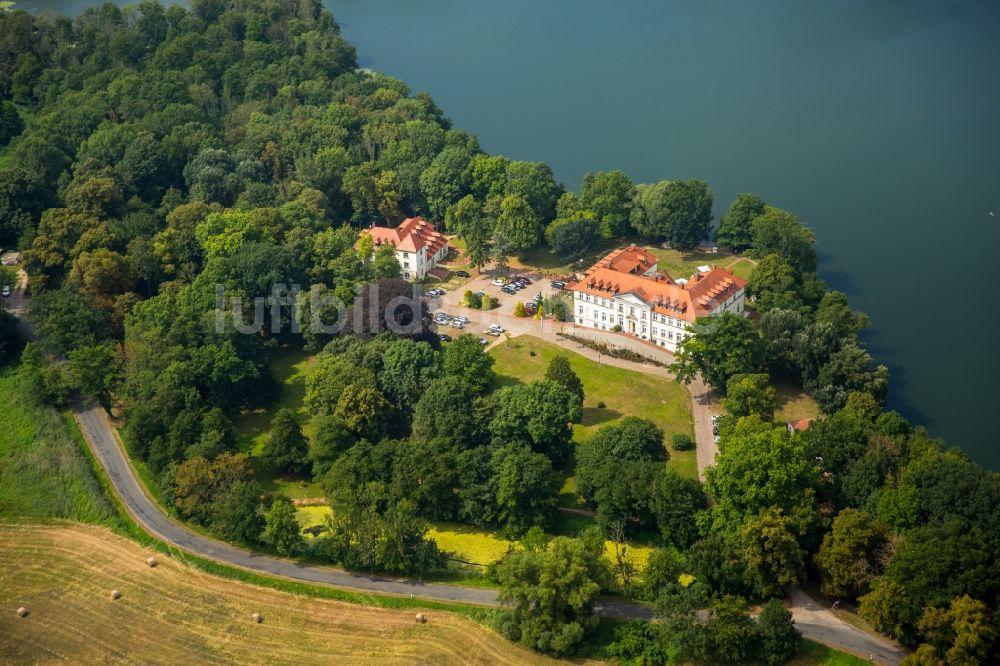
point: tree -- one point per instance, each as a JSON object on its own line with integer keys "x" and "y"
{"x": 447, "y": 412}
{"x": 573, "y": 237}
{"x": 974, "y": 630}
{"x": 774, "y": 285}
{"x": 95, "y": 371}
{"x": 677, "y": 503}
{"x": 563, "y": 375}
{"x": 773, "y": 556}
{"x": 286, "y": 448}
{"x": 679, "y": 212}
{"x": 609, "y": 194}
{"x": 852, "y": 555}
{"x": 519, "y": 310}
{"x": 551, "y": 593}
{"x": 525, "y": 488}
{"x": 465, "y": 359}
{"x": 239, "y": 516}
{"x": 408, "y": 367}
{"x": 750, "y": 394}
{"x": 10, "y": 122}
{"x": 539, "y": 414}
{"x": 281, "y": 528}
{"x": 849, "y": 369}
{"x": 719, "y": 348}
{"x": 735, "y": 230}
{"x": 385, "y": 264}
{"x": 517, "y": 223}
{"x": 761, "y": 466}
{"x": 10, "y": 338}
{"x": 363, "y": 410}
{"x": 733, "y": 636}
{"x": 779, "y": 639}
{"x": 780, "y": 232}
{"x": 330, "y": 438}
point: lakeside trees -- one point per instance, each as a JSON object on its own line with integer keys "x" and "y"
{"x": 150, "y": 154}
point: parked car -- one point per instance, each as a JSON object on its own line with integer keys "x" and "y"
{"x": 434, "y": 293}
{"x": 492, "y": 331}
{"x": 558, "y": 284}
{"x": 462, "y": 274}
{"x": 480, "y": 294}
{"x": 457, "y": 324}
{"x": 444, "y": 337}
{"x": 531, "y": 308}
{"x": 461, "y": 318}
{"x": 508, "y": 290}
{"x": 538, "y": 298}
{"x": 499, "y": 282}
{"x": 484, "y": 341}
{"x": 497, "y": 327}
{"x": 524, "y": 280}
{"x": 6, "y": 290}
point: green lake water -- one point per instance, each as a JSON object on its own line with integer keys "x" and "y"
{"x": 877, "y": 121}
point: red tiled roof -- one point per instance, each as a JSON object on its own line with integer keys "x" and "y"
{"x": 702, "y": 294}
{"x": 411, "y": 235}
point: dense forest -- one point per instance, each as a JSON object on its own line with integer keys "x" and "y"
{"x": 151, "y": 153}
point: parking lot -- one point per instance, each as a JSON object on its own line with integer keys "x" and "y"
{"x": 503, "y": 315}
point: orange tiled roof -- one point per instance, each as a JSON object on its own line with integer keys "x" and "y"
{"x": 701, "y": 295}
{"x": 411, "y": 235}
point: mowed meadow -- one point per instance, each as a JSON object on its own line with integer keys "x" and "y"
{"x": 175, "y": 614}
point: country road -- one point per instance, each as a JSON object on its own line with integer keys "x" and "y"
{"x": 814, "y": 621}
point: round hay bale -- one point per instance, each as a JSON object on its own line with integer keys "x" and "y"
{"x": 22, "y": 612}
{"x": 421, "y": 618}
{"x": 257, "y": 618}
{"x": 151, "y": 562}
{"x": 115, "y": 595}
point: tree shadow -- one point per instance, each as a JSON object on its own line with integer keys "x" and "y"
{"x": 596, "y": 416}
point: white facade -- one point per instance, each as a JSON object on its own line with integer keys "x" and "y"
{"x": 636, "y": 317}
{"x": 416, "y": 264}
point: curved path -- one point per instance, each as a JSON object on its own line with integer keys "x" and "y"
{"x": 813, "y": 621}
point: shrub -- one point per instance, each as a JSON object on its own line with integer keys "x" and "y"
{"x": 600, "y": 404}
{"x": 682, "y": 442}
{"x": 472, "y": 299}
{"x": 519, "y": 310}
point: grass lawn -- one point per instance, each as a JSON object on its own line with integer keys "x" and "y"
{"x": 624, "y": 392}
{"x": 815, "y": 654}
{"x": 43, "y": 470}
{"x": 289, "y": 369}
{"x": 542, "y": 259}
{"x": 794, "y": 404}
{"x": 679, "y": 264}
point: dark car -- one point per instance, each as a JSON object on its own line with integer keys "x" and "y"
{"x": 508, "y": 290}
{"x": 525, "y": 280}
{"x": 462, "y": 274}
{"x": 530, "y": 308}
{"x": 444, "y": 337}
{"x": 557, "y": 284}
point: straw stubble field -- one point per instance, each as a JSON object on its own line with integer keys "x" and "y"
{"x": 174, "y": 614}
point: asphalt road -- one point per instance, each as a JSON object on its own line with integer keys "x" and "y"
{"x": 814, "y": 621}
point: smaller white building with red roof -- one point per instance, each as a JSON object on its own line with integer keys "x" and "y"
{"x": 419, "y": 245}
{"x": 625, "y": 291}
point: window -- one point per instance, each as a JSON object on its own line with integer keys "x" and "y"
{"x": 581, "y": 309}
{"x": 631, "y": 311}
{"x": 621, "y": 308}
{"x": 579, "y": 321}
{"x": 621, "y": 322}
{"x": 406, "y": 264}
{"x": 670, "y": 336}
{"x": 655, "y": 332}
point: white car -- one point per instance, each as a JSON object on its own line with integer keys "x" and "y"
{"x": 497, "y": 327}
{"x": 6, "y": 290}
{"x": 462, "y": 318}
{"x": 457, "y": 324}
{"x": 499, "y": 282}
{"x": 492, "y": 331}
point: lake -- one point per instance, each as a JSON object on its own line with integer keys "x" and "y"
{"x": 877, "y": 122}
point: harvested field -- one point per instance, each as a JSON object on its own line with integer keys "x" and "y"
{"x": 175, "y": 614}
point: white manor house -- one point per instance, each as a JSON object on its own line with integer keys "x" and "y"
{"x": 419, "y": 245}
{"x": 626, "y": 290}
